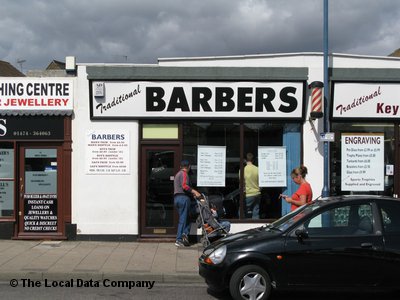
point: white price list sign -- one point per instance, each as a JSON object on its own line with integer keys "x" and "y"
{"x": 272, "y": 166}
{"x": 107, "y": 152}
{"x": 363, "y": 162}
{"x": 211, "y": 162}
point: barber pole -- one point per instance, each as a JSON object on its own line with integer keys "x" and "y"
{"x": 316, "y": 99}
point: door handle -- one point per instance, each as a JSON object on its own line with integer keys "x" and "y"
{"x": 366, "y": 245}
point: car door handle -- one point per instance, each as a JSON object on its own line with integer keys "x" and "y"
{"x": 366, "y": 245}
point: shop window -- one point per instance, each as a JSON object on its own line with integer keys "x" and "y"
{"x": 390, "y": 216}
{"x": 215, "y": 134}
{"x": 367, "y": 163}
{"x": 7, "y": 180}
{"x": 41, "y": 171}
{"x": 238, "y": 139}
{"x": 346, "y": 220}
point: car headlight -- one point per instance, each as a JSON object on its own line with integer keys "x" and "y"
{"x": 216, "y": 256}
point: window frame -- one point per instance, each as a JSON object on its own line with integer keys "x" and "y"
{"x": 375, "y": 214}
{"x": 12, "y": 145}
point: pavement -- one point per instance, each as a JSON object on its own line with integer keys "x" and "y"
{"x": 88, "y": 260}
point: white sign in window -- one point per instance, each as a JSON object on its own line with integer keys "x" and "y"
{"x": 6, "y": 198}
{"x": 107, "y": 152}
{"x": 211, "y": 165}
{"x": 362, "y": 162}
{"x": 41, "y": 171}
{"x": 272, "y": 166}
{"x": 6, "y": 163}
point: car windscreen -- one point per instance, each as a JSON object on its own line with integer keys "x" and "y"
{"x": 288, "y": 220}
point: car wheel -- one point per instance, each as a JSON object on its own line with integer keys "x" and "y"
{"x": 250, "y": 282}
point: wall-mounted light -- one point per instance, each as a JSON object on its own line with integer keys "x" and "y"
{"x": 316, "y": 100}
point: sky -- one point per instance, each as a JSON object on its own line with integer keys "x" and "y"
{"x": 35, "y": 32}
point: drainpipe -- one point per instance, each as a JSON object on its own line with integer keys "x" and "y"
{"x": 326, "y": 189}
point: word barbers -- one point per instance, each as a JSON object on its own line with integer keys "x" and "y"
{"x": 222, "y": 99}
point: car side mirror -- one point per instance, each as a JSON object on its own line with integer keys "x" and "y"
{"x": 301, "y": 234}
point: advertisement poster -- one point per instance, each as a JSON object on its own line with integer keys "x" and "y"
{"x": 40, "y": 213}
{"x": 211, "y": 162}
{"x": 363, "y": 162}
{"x": 6, "y": 198}
{"x": 7, "y": 163}
{"x": 107, "y": 152}
{"x": 272, "y": 166}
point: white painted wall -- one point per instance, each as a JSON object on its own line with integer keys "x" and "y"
{"x": 101, "y": 204}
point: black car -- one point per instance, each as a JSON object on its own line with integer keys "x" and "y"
{"x": 335, "y": 242}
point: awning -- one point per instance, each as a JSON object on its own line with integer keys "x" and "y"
{"x": 36, "y": 112}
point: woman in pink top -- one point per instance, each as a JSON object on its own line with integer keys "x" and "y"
{"x": 304, "y": 193}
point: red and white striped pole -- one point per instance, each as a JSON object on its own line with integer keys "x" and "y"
{"x": 316, "y": 99}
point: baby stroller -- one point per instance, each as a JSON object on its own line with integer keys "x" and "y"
{"x": 207, "y": 220}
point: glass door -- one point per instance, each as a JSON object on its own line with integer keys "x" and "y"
{"x": 159, "y": 165}
{"x": 38, "y": 191}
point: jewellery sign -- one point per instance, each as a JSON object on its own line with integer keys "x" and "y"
{"x": 36, "y": 96}
{"x": 143, "y": 99}
{"x": 362, "y": 162}
{"x": 366, "y": 100}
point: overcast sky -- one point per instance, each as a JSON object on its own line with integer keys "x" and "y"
{"x": 140, "y": 31}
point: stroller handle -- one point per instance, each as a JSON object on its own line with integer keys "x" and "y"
{"x": 202, "y": 196}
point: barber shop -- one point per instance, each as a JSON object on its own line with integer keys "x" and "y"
{"x": 35, "y": 158}
{"x": 141, "y": 121}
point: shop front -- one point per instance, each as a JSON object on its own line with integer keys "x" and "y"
{"x": 212, "y": 117}
{"x": 35, "y": 158}
{"x": 365, "y": 120}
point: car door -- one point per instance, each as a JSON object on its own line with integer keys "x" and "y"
{"x": 340, "y": 246}
{"x": 390, "y": 212}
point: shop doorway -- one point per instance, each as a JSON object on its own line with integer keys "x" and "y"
{"x": 159, "y": 165}
{"x": 40, "y": 208}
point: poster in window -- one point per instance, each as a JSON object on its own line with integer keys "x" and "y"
{"x": 272, "y": 166}
{"x": 7, "y": 163}
{"x": 40, "y": 213}
{"x": 362, "y": 162}
{"x": 211, "y": 165}
{"x": 6, "y": 198}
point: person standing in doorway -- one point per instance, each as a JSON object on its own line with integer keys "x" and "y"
{"x": 252, "y": 189}
{"x": 182, "y": 193}
{"x": 304, "y": 193}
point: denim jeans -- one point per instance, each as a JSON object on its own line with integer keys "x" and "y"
{"x": 252, "y": 207}
{"x": 182, "y": 204}
{"x": 226, "y": 225}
